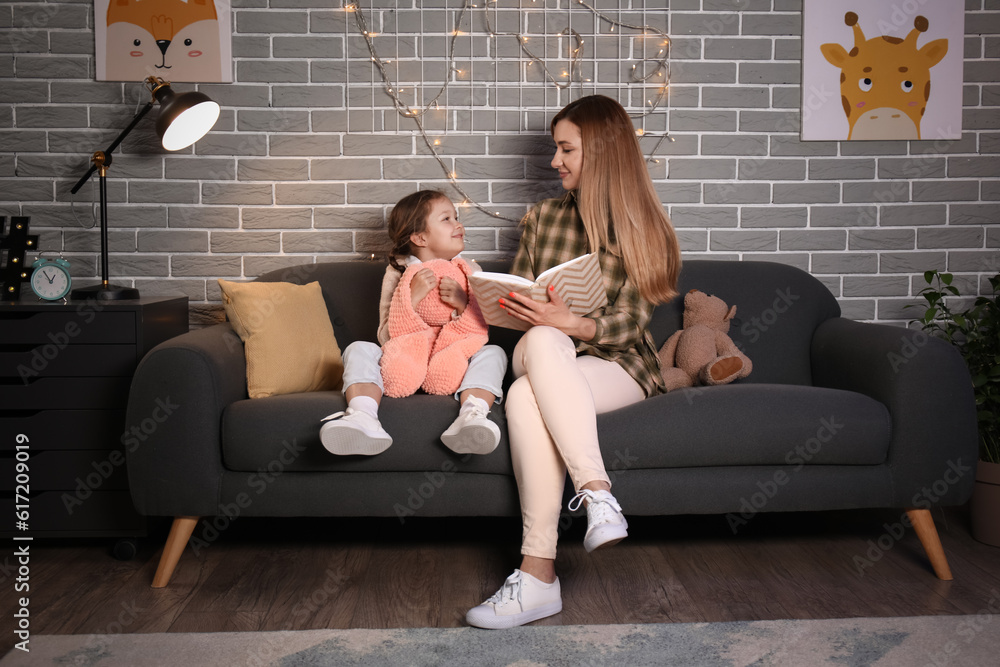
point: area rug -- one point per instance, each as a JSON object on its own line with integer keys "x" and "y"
{"x": 936, "y": 641}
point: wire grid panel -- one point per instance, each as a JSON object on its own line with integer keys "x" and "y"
{"x": 501, "y": 66}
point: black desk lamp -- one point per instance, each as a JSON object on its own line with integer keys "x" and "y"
{"x": 184, "y": 119}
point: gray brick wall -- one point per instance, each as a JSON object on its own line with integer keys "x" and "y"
{"x": 310, "y": 155}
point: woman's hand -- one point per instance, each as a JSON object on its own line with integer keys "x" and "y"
{"x": 421, "y": 285}
{"x": 555, "y": 313}
{"x": 453, "y": 294}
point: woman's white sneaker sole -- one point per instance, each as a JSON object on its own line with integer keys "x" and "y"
{"x": 604, "y": 536}
{"x": 488, "y": 620}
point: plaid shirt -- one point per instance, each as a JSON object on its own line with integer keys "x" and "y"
{"x": 553, "y": 234}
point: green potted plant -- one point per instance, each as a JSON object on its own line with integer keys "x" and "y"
{"x": 975, "y": 332}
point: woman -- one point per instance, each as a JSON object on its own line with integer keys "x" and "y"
{"x": 569, "y": 369}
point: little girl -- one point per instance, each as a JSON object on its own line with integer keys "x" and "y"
{"x": 423, "y": 227}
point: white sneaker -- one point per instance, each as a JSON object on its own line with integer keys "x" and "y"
{"x": 353, "y": 432}
{"x": 522, "y": 599}
{"x": 472, "y": 432}
{"x": 606, "y": 526}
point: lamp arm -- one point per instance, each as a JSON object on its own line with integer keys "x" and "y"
{"x": 114, "y": 144}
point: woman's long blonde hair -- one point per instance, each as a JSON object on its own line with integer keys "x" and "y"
{"x": 620, "y": 208}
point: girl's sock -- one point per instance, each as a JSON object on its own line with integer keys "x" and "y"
{"x": 365, "y": 404}
{"x": 471, "y": 403}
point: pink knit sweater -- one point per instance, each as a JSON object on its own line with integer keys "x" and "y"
{"x": 427, "y": 348}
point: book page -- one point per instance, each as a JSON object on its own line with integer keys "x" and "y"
{"x": 506, "y": 278}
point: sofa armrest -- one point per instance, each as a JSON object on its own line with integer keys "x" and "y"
{"x": 173, "y": 440}
{"x": 926, "y": 386}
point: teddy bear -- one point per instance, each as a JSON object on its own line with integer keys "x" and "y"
{"x": 702, "y": 352}
{"x": 428, "y": 347}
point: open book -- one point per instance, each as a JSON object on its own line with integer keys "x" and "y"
{"x": 579, "y": 282}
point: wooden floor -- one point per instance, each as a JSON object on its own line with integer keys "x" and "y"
{"x": 266, "y": 574}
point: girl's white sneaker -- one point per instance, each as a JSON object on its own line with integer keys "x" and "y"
{"x": 472, "y": 432}
{"x": 353, "y": 432}
{"x": 522, "y": 599}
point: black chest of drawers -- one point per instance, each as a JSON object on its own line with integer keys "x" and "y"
{"x": 65, "y": 372}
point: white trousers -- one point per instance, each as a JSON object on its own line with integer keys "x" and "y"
{"x": 486, "y": 368}
{"x": 552, "y": 410}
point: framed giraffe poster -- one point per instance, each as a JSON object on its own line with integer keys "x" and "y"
{"x": 882, "y": 69}
{"x": 176, "y": 40}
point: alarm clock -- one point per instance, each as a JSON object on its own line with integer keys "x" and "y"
{"x": 50, "y": 279}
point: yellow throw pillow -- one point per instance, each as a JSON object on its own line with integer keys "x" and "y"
{"x": 287, "y": 335}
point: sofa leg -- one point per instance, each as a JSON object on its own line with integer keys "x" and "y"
{"x": 923, "y": 523}
{"x": 180, "y": 533}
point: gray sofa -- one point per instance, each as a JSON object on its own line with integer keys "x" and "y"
{"x": 836, "y": 414}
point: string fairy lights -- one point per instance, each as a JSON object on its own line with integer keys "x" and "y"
{"x": 647, "y": 72}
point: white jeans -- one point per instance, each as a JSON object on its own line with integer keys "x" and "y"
{"x": 486, "y": 368}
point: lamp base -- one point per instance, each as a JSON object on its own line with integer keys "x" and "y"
{"x": 104, "y": 292}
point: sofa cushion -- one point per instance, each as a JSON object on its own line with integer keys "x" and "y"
{"x": 289, "y": 341}
{"x": 350, "y": 291}
{"x": 747, "y": 424}
{"x": 730, "y": 425}
{"x": 281, "y": 433}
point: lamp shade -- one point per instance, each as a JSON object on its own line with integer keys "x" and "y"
{"x": 184, "y": 118}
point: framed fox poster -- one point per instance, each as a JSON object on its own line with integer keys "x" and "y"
{"x": 882, "y": 69}
{"x": 176, "y": 40}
